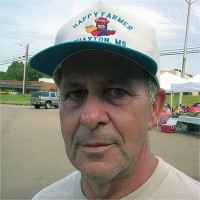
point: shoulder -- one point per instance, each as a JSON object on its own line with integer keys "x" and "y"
{"x": 62, "y": 189}
{"x": 184, "y": 180}
{"x": 177, "y": 185}
{"x": 165, "y": 183}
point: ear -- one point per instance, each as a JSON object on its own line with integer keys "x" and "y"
{"x": 157, "y": 106}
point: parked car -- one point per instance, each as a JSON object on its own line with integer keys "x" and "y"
{"x": 10, "y": 91}
{"x": 7, "y": 92}
{"x": 15, "y": 93}
{"x": 45, "y": 99}
{"x": 194, "y": 108}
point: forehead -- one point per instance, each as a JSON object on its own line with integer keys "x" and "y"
{"x": 101, "y": 64}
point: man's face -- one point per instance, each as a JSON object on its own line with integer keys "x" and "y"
{"x": 104, "y": 114}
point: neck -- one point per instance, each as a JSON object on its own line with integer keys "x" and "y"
{"x": 123, "y": 186}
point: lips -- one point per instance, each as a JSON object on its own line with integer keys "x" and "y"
{"x": 95, "y": 147}
{"x": 95, "y": 144}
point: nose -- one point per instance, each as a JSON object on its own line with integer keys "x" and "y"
{"x": 94, "y": 113}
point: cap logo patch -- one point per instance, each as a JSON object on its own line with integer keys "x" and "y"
{"x": 96, "y": 26}
{"x": 101, "y": 16}
{"x": 101, "y": 28}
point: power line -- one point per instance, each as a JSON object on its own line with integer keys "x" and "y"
{"x": 166, "y": 52}
{"x": 180, "y": 49}
{"x": 171, "y": 53}
{"x": 11, "y": 60}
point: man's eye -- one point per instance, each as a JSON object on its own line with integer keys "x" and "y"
{"x": 116, "y": 92}
{"x": 77, "y": 94}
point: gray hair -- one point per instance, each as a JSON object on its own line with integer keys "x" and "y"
{"x": 152, "y": 88}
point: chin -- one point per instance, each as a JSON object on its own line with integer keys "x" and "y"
{"x": 100, "y": 171}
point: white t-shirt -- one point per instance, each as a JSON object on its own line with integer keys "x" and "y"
{"x": 165, "y": 183}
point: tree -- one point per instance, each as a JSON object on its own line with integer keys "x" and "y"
{"x": 33, "y": 75}
{"x": 16, "y": 72}
{"x": 3, "y": 76}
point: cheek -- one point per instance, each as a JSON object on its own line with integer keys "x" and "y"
{"x": 132, "y": 123}
{"x": 135, "y": 115}
{"x": 69, "y": 124}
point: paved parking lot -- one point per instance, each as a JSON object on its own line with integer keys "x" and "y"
{"x": 33, "y": 154}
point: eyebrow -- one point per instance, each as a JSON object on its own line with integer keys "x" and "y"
{"x": 76, "y": 80}
{"x": 70, "y": 84}
{"x": 119, "y": 81}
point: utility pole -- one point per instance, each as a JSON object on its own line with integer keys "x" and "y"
{"x": 25, "y": 69}
{"x": 189, "y": 2}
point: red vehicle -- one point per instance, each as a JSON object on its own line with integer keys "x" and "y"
{"x": 194, "y": 108}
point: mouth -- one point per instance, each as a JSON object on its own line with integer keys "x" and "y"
{"x": 95, "y": 147}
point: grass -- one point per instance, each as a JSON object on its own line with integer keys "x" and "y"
{"x": 25, "y": 99}
{"x": 15, "y": 99}
{"x": 187, "y": 100}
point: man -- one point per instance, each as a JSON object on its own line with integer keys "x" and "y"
{"x": 105, "y": 63}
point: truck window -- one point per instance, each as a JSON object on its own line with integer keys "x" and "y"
{"x": 53, "y": 95}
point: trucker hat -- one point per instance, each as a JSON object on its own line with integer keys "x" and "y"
{"x": 102, "y": 27}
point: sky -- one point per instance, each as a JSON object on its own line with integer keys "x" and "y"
{"x": 35, "y": 22}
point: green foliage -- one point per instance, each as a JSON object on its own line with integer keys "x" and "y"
{"x": 15, "y": 99}
{"x": 187, "y": 100}
{"x": 16, "y": 72}
{"x": 3, "y": 76}
{"x": 33, "y": 75}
